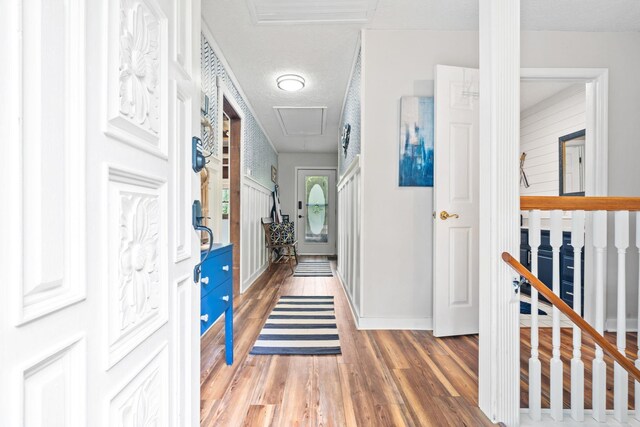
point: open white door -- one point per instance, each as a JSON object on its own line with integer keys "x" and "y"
{"x": 99, "y": 315}
{"x": 455, "y": 284}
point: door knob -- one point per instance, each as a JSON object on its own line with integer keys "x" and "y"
{"x": 300, "y": 216}
{"x": 444, "y": 215}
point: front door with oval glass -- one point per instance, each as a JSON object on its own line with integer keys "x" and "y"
{"x": 316, "y": 211}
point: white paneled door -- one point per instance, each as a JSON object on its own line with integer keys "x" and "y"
{"x": 455, "y": 290}
{"x": 99, "y": 315}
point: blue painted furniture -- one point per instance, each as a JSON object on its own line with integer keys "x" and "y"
{"x": 545, "y": 264}
{"x": 216, "y": 290}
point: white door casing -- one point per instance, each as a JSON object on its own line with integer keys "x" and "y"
{"x": 456, "y": 305}
{"x": 99, "y": 318}
{"x": 306, "y": 245}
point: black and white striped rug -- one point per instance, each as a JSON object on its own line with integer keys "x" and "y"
{"x": 300, "y": 325}
{"x": 313, "y": 269}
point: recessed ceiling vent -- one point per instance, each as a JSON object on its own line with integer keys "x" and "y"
{"x": 305, "y": 11}
{"x": 302, "y": 121}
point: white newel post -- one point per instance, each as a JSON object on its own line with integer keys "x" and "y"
{"x": 499, "y": 361}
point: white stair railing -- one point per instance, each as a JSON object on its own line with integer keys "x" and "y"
{"x": 599, "y": 368}
{"x": 577, "y": 365}
{"x": 557, "y": 387}
{"x": 535, "y": 368}
{"x": 582, "y": 216}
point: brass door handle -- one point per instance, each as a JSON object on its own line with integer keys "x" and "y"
{"x": 444, "y": 215}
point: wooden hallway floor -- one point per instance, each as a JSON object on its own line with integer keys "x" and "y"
{"x": 382, "y": 378}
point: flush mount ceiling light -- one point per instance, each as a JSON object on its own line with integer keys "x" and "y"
{"x": 290, "y": 82}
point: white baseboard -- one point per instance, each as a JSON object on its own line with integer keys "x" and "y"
{"x": 611, "y": 325}
{"x": 251, "y": 280}
{"x": 419, "y": 324}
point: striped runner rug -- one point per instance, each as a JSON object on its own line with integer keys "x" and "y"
{"x": 313, "y": 269}
{"x": 300, "y": 325}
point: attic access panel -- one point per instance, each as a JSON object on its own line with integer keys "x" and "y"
{"x": 302, "y": 121}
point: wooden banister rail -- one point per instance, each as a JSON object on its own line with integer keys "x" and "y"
{"x": 575, "y": 317}
{"x": 548, "y": 203}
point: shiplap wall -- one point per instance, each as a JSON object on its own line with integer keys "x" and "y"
{"x": 540, "y": 128}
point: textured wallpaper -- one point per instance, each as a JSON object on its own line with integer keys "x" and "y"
{"x": 351, "y": 115}
{"x": 258, "y": 153}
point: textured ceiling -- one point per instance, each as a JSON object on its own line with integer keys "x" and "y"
{"x": 323, "y": 53}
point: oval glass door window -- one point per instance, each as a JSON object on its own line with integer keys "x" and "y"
{"x": 316, "y": 224}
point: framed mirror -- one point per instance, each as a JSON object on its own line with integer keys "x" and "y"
{"x": 572, "y": 161}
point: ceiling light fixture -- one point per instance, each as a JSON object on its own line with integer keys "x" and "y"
{"x": 290, "y": 82}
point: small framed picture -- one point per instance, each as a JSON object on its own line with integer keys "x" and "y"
{"x": 274, "y": 174}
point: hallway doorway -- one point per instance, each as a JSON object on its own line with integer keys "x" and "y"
{"x": 231, "y": 173}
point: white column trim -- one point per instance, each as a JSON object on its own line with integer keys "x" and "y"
{"x": 499, "y": 358}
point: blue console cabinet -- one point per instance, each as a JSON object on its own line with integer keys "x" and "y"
{"x": 216, "y": 285}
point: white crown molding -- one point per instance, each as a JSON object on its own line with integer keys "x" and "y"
{"x": 216, "y": 49}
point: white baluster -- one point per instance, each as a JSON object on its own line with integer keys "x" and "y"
{"x": 535, "y": 369}
{"x": 577, "y": 366}
{"x": 599, "y": 381}
{"x": 637, "y": 384}
{"x": 556, "y": 363}
{"x": 620, "y": 376}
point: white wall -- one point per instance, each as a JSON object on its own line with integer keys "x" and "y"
{"x": 540, "y": 127}
{"x": 397, "y": 281}
{"x": 287, "y": 163}
{"x": 397, "y": 227}
{"x": 620, "y": 53}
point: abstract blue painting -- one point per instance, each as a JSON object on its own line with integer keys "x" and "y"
{"x": 416, "y": 141}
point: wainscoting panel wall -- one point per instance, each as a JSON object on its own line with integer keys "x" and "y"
{"x": 255, "y": 204}
{"x": 349, "y": 249}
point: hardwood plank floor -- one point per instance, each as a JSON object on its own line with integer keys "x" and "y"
{"x": 382, "y": 378}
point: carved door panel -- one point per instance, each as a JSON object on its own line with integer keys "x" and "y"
{"x": 98, "y": 311}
